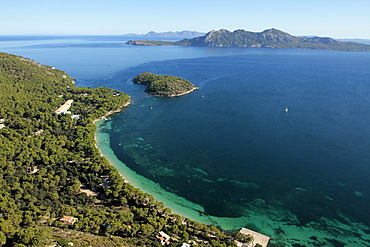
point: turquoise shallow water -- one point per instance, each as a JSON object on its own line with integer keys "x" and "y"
{"x": 231, "y": 148}
{"x": 228, "y": 154}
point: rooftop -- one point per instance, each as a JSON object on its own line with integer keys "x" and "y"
{"x": 258, "y": 238}
{"x": 68, "y": 219}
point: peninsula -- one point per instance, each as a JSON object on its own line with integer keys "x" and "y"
{"x": 270, "y": 38}
{"x": 164, "y": 85}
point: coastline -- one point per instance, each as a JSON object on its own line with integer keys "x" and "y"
{"x": 177, "y": 204}
{"x": 262, "y": 217}
{"x": 181, "y": 206}
{"x": 176, "y": 95}
{"x": 187, "y": 92}
{"x": 111, "y": 112}
{"x": 105, "y": 118}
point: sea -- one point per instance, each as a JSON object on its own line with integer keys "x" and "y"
{"x": 274, "y": 140}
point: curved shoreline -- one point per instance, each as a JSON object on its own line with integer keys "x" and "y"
{"x": 259, "y": 216}
{"x": 177, "y": 204}
{"x": 111, "y": 112}
{"x": 96, "y": 131}
{"x": 175, "y": 95}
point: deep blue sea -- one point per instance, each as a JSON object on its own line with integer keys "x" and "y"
{"x": 229, "y": 151}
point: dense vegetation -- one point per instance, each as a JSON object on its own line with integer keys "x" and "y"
{"x": 51, "y": 168}
{"x": 164, "y": 85}
{"x": 271, "y": 38}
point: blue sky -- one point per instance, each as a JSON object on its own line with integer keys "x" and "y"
{"x": 333, "y": 18}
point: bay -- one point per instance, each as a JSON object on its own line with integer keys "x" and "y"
{"x": 228, "y": 154}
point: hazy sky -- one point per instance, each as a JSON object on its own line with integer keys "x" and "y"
{"x": 334, "y": 18}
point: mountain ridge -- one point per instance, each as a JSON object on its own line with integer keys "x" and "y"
{"x": 185, "y": 33}
{"x": 171, "y": 34}
{"x": 269, "y": 38}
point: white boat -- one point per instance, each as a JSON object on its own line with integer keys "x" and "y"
{"x": 286, "y": 109}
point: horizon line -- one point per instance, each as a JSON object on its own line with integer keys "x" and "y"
{"x": 141, "y": 34}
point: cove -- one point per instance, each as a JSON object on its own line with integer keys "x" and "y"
{"x": 242, "y": 161}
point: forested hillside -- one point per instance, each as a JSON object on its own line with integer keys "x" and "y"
{"x": 164, "y": 85}
{"x": 55, "y": 185}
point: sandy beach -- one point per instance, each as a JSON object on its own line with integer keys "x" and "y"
{"x": 177, "y": 204}
{"x": 111, "y": 112}
{"x": 105, "y": 118}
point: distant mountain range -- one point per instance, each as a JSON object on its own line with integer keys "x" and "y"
{"x": 180, "y": 34}
{"x": 270, "y": 38}
{"x": 363, "y": 41}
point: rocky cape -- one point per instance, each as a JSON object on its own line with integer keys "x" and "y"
{"x": 164, "y": 85}
{"x": 270, "y": 38}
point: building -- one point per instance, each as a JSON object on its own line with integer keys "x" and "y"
{"x": 68, "y": 220}
{"x": 65, "y": 107}
{"x": 258, "y": 238}
{"x": 37, "y": 133}
{"x": 164, "y": 238}
{"x": 32, "y": 169}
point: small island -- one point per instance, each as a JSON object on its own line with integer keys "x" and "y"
{"x": 164, "y": 85}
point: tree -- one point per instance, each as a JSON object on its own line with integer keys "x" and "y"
{"x": 34, "y": 236}
{"x": 242, "y": 237}
{"x": 2, "y": 238}
{"x": 63, "y": 157}
{"x": 146, "y": 229}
